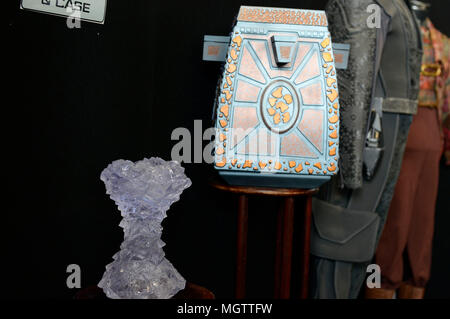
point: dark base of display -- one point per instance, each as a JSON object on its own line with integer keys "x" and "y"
{"x": 273, "y": 180}
{"x": 191, "y": 291}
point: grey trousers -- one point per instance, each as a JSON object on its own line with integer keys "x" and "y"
{"x": 347, "y": 225}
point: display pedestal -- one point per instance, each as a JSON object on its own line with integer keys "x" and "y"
{"x": 285, "y": 229}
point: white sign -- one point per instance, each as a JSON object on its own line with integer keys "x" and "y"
{"x": 86, "y": 10}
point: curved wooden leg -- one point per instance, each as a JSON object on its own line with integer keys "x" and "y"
{"x": 241, "y": 255}
{"x": 286, "y": 262}
{"x": 306, "y": 248}
{"x": 278, "y": 251}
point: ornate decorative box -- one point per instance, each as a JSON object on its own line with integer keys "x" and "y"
{"x": 277, "y": 107}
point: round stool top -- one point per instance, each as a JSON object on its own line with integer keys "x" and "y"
{"x": 267, "y": 191}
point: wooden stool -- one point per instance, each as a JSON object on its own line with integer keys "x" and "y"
{"x": 285, "y": 229}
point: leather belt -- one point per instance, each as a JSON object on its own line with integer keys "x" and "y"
{"x": 431, "y": 105}
{"x": 398, "y": 105}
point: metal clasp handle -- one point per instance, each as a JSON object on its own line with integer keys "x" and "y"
{"x": 431, "y": 69}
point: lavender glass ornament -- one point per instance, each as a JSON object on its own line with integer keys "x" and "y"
{"x": 143, "y": 192}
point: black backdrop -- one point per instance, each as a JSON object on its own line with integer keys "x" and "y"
{"x": 78, "y": 99}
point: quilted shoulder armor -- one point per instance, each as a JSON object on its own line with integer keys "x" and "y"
{"x": 348, "y": 24}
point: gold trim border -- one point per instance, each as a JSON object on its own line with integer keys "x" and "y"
{"x": 283, "y": 16}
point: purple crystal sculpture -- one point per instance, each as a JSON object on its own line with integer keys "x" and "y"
{"x": 143, "y": 191}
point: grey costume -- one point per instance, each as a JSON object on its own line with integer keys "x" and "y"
{"x": 378, "y": 94}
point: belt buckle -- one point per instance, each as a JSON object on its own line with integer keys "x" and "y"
{"x": 431, "y": 69}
